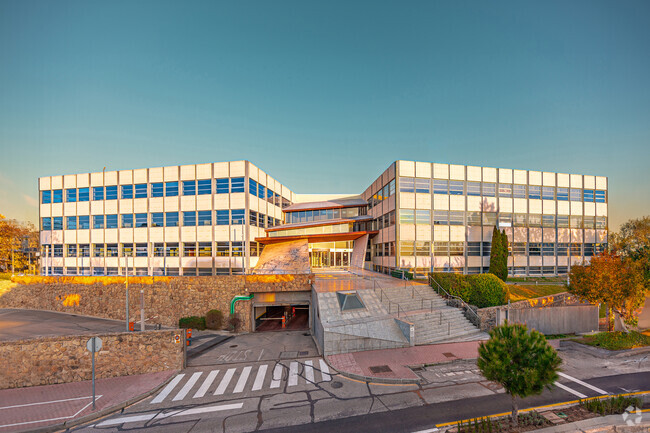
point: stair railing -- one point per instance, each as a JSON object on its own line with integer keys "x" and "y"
{"x": 414, "y": 290}
{"x": 382, "y": 295}
{"x": 447, "y": 295}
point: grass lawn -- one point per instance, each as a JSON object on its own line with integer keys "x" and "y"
{"x": 616, "y": 340}
{"x": 520, "y": 292}
{"x": 541, "y": 280}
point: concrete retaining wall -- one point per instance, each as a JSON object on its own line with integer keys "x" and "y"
{"x": 166, "y": 299}
{"x": 51, "y": 360}
{"x": 560, "y": 320}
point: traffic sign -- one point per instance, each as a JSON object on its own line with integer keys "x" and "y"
{"x": 97, "y": 344}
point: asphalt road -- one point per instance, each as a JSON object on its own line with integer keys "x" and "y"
{"x": 277, "y": 395}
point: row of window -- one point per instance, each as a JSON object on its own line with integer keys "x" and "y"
{"x": 516, "y": 270}
{"x": 169, "y": 249}
{"x": 112, "y": 271}
{"x": 485, "y": 189}
{"x": 460, "y": 218}
{"x": 381, "y": 195}
{"x": 305, "y": 216}
{"x": 423, "y": 248}
{"x": 159, "y": 219}
{"x": 163, "y": 189}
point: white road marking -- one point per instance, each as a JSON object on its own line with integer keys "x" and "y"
{"x": 151, "y": 416}
{"x": 50, "y": 419}
{"x": 186, "y": 388}
{"x": 585, "y": 384}
{"x": 225, "y": 381}
{"x": 46, "y": 402}
{"x": 277, "y": 376}
{"x": 168, "y": 389}
{"x": 243, "y": 377}
{"x": 206, "y": 384}
{"x": 309, "y": 371}
{"x": 293, "y": 374}
{"x": 566, "y": 388}
{"x": 259, "y": 379}
{"x": 324, "y": 370}
{"x": 431, "y": 430}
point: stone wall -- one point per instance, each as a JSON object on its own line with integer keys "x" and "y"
{"x": 166, "y": 299}
{"x": 51, "y": 360}
{"x": 488, "y": 315}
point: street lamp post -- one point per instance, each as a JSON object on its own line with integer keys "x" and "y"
{"x": 126, "y": 259}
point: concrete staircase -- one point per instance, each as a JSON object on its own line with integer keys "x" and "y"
{"x": 434, "y": 321}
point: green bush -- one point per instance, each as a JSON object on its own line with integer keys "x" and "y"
{"x": 234, "y": 322}
{"x": 610, "y": 406}
{"x": 192, "y": 322}
{"x": 214, "y": 319}
{"x": 484, "y": 290}
{"x": 487, "y": 290}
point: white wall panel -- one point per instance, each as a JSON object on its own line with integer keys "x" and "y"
{"x": 83, "y": 208}
{"x": 44, "y": 183}
{"x": 457, "y": 202}
{"x": 46, "y": 210}
{"x": 140, "y": 205}
{"x": 156, "y": 174}
{"x": 563, "y": 208}
{"x": 57, "y": 182}
{"x": 96, "y": 179}
{"x": 473, "y": 204}
{"x": 520, "y": 177}
{"x": 140, "y": 234}
{"x": 204, "y": 171}
{"x": 96, "y": 207}
{"x": 535, "y": 234}
{"x": 576, "y": 181}
{"x": 535, "y": 206}
{"x": 489, "y": 174}
{"x": 601, "y": 209}
{"x": 188, "y": 234}
{"x": 203, "y": 202}
{"x": 83, "y": 236}
{"x": 549, "y": 235}
{"x": 221, "y": 169}
{"x": 505, "y": 175}
{"x": 423, "y": 232}
{"x": 188, "y": 203}
{"x": 505, "y": 205}
{"x": 589, "y": 182}
{"x": 441, "y": 233}
{"x": 590, "y": 209}
{"x": 563, "y": 235}
{"x": 441, "y": 171}
{"x": 601, "y": 182}
{"x": 474, "y": 173}
{"x": 441, "y": 202}
{"x": 140, "y": 175}
{"x": 125, "y": 177}
{"x": 69, "y": 209}
{"x": 548, "y": 207}
{"x": 423, "y": 201}
{"x": 563, "y": 180}
{"x": 188, "y": 172}
{"x": 238, "y": 169}
{"x": 57, "y": 209}
{"x": 110, "y": 236}
{"x": 576, "y": 208}
{"x": 110, "y": 178}
{"x": 520, "y": 234}
{"x": 170, "y": 174}
{"x": 422, "y": 169}
{"x": 171, "y": 234}
{"x": 69, "y": 181}
{"x": 590, "y": 236}
{"x": 548, "y": 179}
{"x": 70, "y": 236}
{"x": 407, "y": 232}
{"x": 407, "y": 200}
{"x": 457, "y": 172}
{"x": 456, "y": 233}
{"x": 489, "y": 204}
{"x": 156, "y": 204}
{"x": 534, "y": 177}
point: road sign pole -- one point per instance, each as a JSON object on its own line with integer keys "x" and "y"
{"x": 93, "y": 354}
{"x": 141, "y": 310}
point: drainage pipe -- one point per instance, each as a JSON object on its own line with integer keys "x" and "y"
{"x": 239, "y": 298}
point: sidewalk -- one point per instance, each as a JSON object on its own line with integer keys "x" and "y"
{"x": 359, "y": 364}
{"x": 610, "y": 423}
{"x": 60, "y": 405}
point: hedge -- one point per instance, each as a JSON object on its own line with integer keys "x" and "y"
{"x": 483, "y": 290}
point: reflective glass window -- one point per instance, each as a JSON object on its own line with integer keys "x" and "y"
{"x": 534, "y": 249}
{"x": 422, "y": 216}
{"x": 252, "y": 187}
{"x": 489, "y": 189}
{"x": 141, "y": 250}
{"x": 57, "y": 223}
{"x": 237, "y": 184}
{"x": 519, "y": 191}
{"x": 223, "y": 217}
{"x": 575, "y": 194}
{"x": 505, "y": 190}
{"x": 98, "y": 193}
{"x": 548, "y": 193}
{"x": 171, "y": 219}
{"x": 111, "y": 192}
{"x": 422, "y": 185}
{"x": 204, "y": 186}
{"x": 71, "y": 195}
{"x": 406, "y": 216}
{"x": 422, "y": 248}
{"x": 72, "y": 250}
{"x": 563, "y": 221}
{"x": 474, "y": 188}
{"x": 57, "y": 196}
{"x": 189, "y": 218}
{"x": 456, "y": 248}
{"x": 204, "y": 218}
{"x": 601, "y": 196}
{"x": 157, "y": 189}
{"x": 534, "y": 220}
{"x": 520, "y": 220}
{"x": 84, "y": 250}
{"x": 157, "y": 219}
{"x": 46, "y": 197}
{"x": 261, "y": 191}
{"x": 171, "y": 189}
{"x": 456, "y": 187}
{"x": 111, "y": 221}
{"x": 71, "y": 223}
{"x": 127, "y": 191}
{"x": 84, "y": 222}
{"x": 171, "y": 249}
{"x": 237, "y": 216}
{"x": 140, "y": 220}
{"x": 223, "y": 249}
{"x": 406, "y": 184}
{"x": 391, "y": 187}
{"x": 440, "y": 186}
{"x": 548, "y": 221}
{"x": 46, "y": 223}
{"x": 98, "y": 221}
{"x": 576, "y": 221}
{"x": 489, "y": 218}
{"x": 601, "y": 222}
{"x": 140, "y": 190}
{"x": 189, "y": 187}
{"x": 440, "y": 217}
{"x": 534, "y": 192}
{"x": 223, "y": 185}
{"x": 588, "y": 195}
{"x": 563, "y": 194}
{"x": 505, "y": 220}
{"x": 83, "y": 194}
{"x": 589, "y": 222}
{"x": 456, "y": 218}
{"x": 473, "y": 218}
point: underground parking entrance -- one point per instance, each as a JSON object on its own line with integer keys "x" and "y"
{"x": 281, "y": 311}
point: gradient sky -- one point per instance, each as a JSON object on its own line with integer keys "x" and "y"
{"x": 323, "y": 96}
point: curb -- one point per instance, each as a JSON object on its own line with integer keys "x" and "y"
{"x": 388, "y": 380}
{"x": 96, "y": 415}
{"x": 205, "y": 346}
{"x": 599, "y": 351}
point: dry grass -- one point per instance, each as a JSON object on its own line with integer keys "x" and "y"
{"x": 6, "y": 286}
{"x": 519, "y": 292}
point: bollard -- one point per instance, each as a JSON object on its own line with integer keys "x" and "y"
{"x": 283, "y": 322}
{"x": 189, "y": 336}
{"x": 131, "y": 326}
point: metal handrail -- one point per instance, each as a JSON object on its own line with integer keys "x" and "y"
{"x": 381, "y": 299}
{"x": 454, "y": 297}
{"x": 414, "y": 289}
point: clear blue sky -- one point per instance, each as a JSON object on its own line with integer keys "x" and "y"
{"x": 324, "y": 95}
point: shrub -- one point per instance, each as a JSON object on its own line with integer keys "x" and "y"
{"x": 487, "y": 290}
{"x": 193, "y": 322}
{"x": 234, "y": 322}
{"x": 214, "y": 319}
{"x": 455, "y": 284}
{"x": 610, "y": 406}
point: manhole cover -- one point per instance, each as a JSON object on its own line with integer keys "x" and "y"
{"x": 449, "y": 355}
{"x": 233, "y": 345}
{"x": 303, "y": 353}
{"x": 336, "y": 384}
{"x": 380, "y": 369}
{"x": 288, "y": 355}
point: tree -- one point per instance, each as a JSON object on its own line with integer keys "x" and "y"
{"x": 633, "y": 242}
{"x": 522, "y": 362}
{"x": 17, "y": 237}
{"x": 614, "y": 280}
{"x": 499, "y": 257}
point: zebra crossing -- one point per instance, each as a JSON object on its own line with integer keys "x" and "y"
{"x": 219, "y": 382}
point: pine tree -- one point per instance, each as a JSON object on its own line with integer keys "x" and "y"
{"x": 495, "y": 252}
{"x": 504, "y": 260}
{"x": 522, "y": 362}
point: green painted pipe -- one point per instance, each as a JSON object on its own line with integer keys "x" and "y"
{"x": 239, "y": 298}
